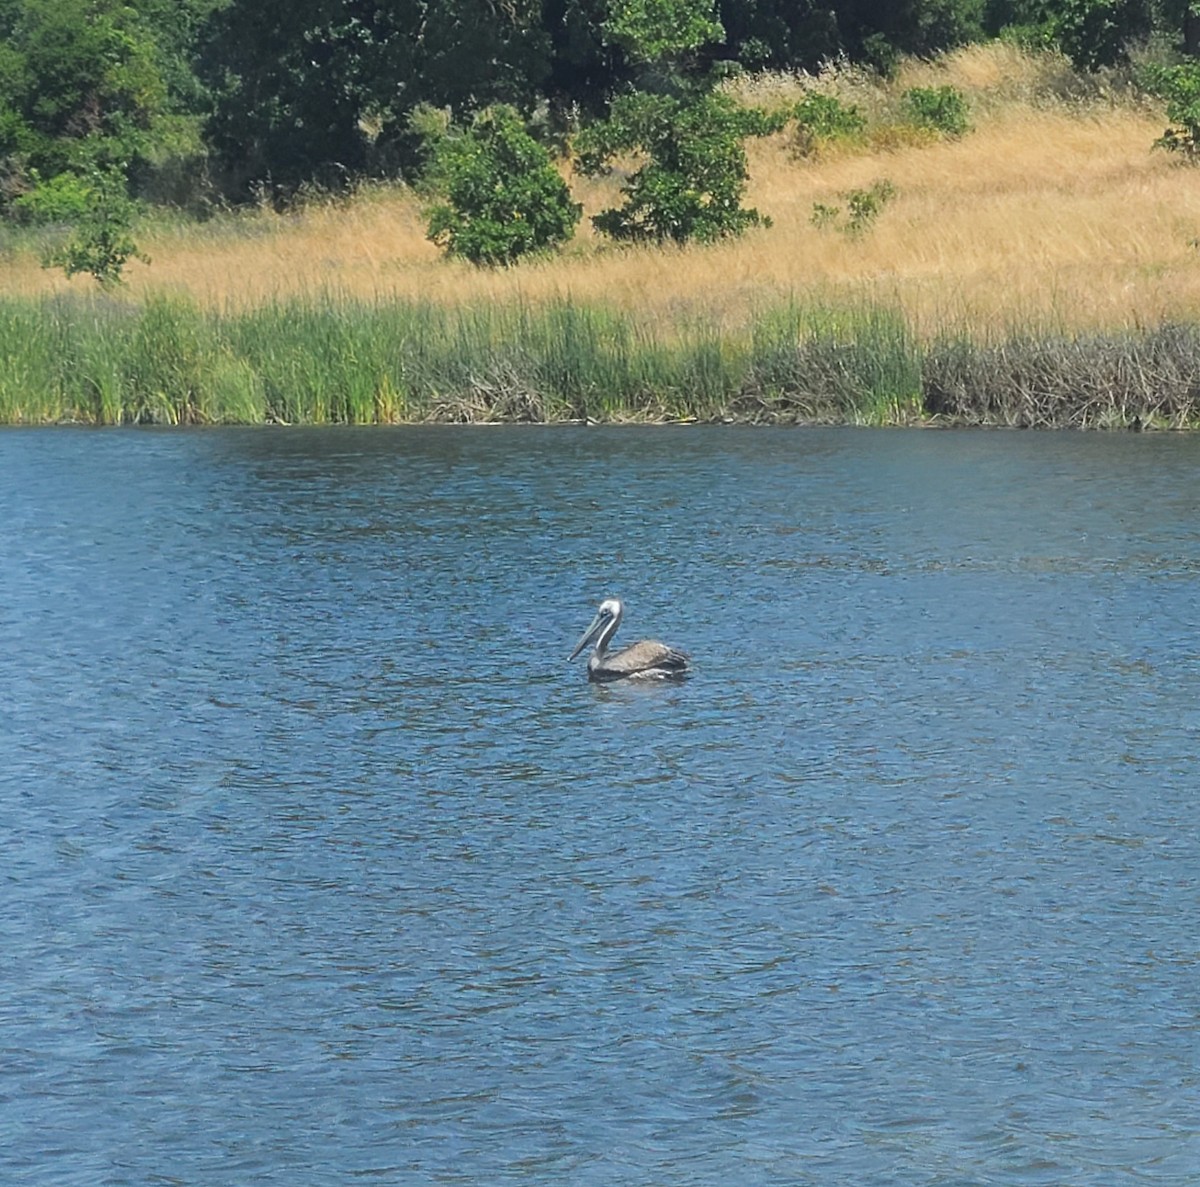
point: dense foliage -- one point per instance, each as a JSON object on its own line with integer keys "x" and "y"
{"x": 695, "y": 172}
{"x": 943, "y": 109}
{"x": 1180, "y": 86}
{"x": 93, "y": 84}
{"x": 193, "y": 100}
{"x": 821, "y": 119}
{"x": 504, "y": 197}
{"x": 102, "y": 242}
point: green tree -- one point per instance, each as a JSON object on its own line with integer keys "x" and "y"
{"x": 102, "y": 241}
{"x": 291, "y": 85}
{"x": 695, "y": 170}
{"x": 780, "y": 34}
{"x": 87, "y": 84}
{"x": 503, "y": 196}
{"x": 321, "y": 90}
{"x": 584, "y": 67}
{"x": 661, "y": 30}
{"x": 1095, "y": 33}
{"x": 1180, "y": 86}
{"x": 473, "y": 54}
{"x": 878, "y": 30}
{"x": 1188, "y": 21}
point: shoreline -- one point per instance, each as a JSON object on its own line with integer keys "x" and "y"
{"x": 101, "y": 360}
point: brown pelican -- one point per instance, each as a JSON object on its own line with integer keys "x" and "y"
{"x": 646, "y": 660}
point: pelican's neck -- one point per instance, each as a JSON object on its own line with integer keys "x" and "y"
{"x": 606, "y": 634}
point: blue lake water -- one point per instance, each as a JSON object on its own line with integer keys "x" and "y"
{"x": 321, "y": 865}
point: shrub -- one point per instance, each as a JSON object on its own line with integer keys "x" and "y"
{"x": 821, "y": 119}
{"x": 825, "y": 216}
{"x": 102, "y": 241}
{"x": 504, "y": 198}
{"x": 691, "y": 186}
{"x": 1180, "y": 87}
{"x": 944, "y": 109}
{"x": 862, "y": 208}
{"x": 61, "y": 199}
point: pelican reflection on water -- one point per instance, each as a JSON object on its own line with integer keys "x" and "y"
{"x": 645, "y": 660}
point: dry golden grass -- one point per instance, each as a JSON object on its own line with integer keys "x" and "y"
{"x": 1052, "y": 212}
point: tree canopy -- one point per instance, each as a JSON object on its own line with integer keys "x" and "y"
{"x": 253, "y": 98}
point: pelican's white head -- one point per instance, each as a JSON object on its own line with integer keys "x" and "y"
{"x": 602, "y": 627}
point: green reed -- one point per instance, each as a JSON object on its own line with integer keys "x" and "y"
{"x": 105, "y": 360}
{"x": 29, "y": 372}
{"x": 860, "y": 365}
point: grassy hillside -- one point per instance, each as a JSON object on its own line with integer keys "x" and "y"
{"x": 1052, "y": 221}
{"x": 1053, "y": 207}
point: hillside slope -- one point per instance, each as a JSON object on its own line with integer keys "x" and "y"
{"x": 1054, "y": 212}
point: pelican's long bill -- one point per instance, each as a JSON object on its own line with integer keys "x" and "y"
{"x": 588, "y": 635}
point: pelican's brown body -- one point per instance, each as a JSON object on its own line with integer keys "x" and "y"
{"x": 645, "y": 660}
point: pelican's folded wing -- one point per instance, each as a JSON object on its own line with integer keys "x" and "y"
{"x": 647, "y": 658}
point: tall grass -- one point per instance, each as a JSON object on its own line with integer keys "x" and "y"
{"x": 104, "y": 361}
{"x": 170, "y": 362}
{"x": 857, "y": 364}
